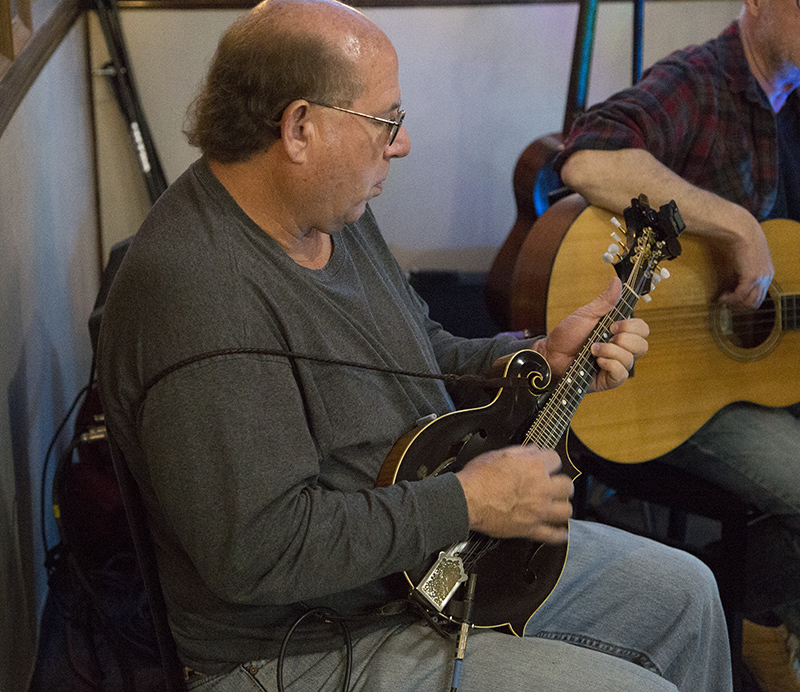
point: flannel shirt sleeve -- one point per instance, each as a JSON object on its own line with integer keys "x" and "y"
{"x": 667, "y": 113}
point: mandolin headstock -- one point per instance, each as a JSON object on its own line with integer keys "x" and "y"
{"x": 651, "y": 237}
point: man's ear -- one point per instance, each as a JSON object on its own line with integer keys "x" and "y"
{"x": 297, "y": 129}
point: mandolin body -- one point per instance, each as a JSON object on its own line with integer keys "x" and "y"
{"x": 514, "y": 576}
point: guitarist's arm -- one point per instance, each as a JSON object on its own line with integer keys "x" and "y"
{"x": 612, "y": 178}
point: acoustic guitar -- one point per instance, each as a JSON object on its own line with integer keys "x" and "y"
{"x": 535, "y": 180}
{"x": 534, "y": 176}
{"x": 702, "y": 356}
{"x": 515, "y": 576}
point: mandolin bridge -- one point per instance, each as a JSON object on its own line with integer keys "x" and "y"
{"x": 443, "y": 578}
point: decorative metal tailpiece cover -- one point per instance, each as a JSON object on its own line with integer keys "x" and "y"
{"x": 443, "y": 578}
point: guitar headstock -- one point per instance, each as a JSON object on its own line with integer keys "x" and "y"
{"x": 651, "y": 237}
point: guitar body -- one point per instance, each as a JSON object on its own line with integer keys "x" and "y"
{"x": 515, "y": 576}
{"x": 534, "y": 179}
{"x": 700, "y": 358}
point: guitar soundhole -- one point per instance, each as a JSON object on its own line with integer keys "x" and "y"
{"x": 748, "y": 335}
{"x": 751, "y": 329}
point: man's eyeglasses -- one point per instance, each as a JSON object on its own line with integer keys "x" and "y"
{"x": 394, "y": 125}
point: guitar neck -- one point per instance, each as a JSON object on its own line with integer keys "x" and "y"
{"x": 554, "y": 418}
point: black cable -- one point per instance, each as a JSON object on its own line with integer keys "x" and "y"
{"x": 327, "y": 615}
{"x": 447, "y": 378}
{"x": 42, "y": 500}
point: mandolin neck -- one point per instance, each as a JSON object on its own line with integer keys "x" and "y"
{"x": 554, "y": 418}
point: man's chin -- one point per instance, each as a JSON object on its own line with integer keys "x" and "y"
{"x": 357, "y": 212}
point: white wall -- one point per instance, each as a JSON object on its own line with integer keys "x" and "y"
{"x": 479, "y": 84}
{"x": 49, "y": 268}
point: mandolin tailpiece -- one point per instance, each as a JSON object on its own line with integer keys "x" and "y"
{"x": 442, "y": 580}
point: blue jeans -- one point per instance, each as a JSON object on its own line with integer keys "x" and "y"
{"x": 754, "y": 452}
{"x": 628, "y": 614}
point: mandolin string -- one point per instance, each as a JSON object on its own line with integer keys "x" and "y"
{"x": 551, "y": 424}
{"x": 570, "y": 391}
{"x": 478, "y": 544}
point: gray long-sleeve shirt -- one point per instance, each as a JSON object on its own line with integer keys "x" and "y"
{"x": 257, "y": 469}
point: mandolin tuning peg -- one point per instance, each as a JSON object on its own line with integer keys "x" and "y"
{"x": 646, "y": 298}
{"x": 608, "y": 258}
{"x": 615, "y": 237}
{"x": 655, "y": 279}
{"x": 665, "y": 273}
{"x": 615, "y": 222}
{"x": 613, "y": 249}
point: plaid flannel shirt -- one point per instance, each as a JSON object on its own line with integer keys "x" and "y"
{"x": 700, "y": 112}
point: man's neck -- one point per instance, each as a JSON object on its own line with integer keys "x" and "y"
{"x": 776, "y": 79}
{"x": 249, "y": 184}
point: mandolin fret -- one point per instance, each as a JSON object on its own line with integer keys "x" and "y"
{"x": 554, "y": 418}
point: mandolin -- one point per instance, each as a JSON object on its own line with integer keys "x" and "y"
{"x": 515, "y": 576}
{"x": 701, "y": 356}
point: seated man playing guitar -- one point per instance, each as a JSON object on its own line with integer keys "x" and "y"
{"x": 261, "y": 354}
{"x": 717, "y": 128}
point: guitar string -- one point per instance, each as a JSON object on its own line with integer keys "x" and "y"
{"x": 748, "y": 331}
{"x": 785, "y": 308}
{"x": 763, "y": 316}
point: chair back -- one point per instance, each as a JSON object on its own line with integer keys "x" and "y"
{"x": 146, "y": 558}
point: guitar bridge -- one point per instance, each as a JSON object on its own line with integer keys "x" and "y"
{"x": 443, "y": 578}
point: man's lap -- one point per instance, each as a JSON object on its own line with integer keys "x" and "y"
{"x": 603, "y": 603}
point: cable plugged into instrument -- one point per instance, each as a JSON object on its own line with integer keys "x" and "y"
{"x": 463, "y": 632}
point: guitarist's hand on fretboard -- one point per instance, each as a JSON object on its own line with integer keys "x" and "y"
{"x": 518, "y": 492}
